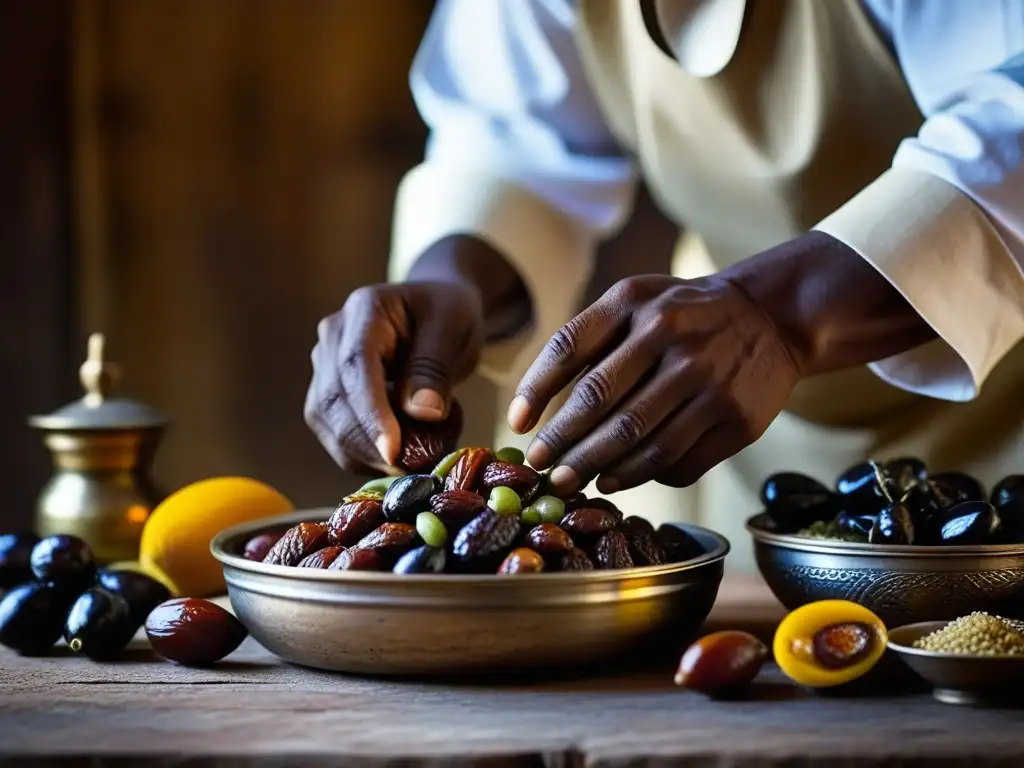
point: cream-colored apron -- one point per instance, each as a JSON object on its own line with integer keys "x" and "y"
{"x": 808, "y": 111}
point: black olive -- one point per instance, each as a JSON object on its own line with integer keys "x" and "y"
{"x": 421, "y": 560}
{"x": 15, "y": 554}
{"x": 861, "y": 491}
{"x": 965, "y": 487}
{"x": 64, "y": 561}
{"x": 100, "y": 624}
{"x": 141, "y": 592}
{"x": 1008, "y": 499}
{"x": 894, "y": 525}
{"x": 857, "y": 524}
{"x": 969, "y": 522}
{"x": 407, "y": 497}
{"x": 31, "y": 618}
{"x": 794, "y": 501}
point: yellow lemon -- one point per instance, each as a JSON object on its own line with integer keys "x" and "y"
{"x": 175, "y": 544}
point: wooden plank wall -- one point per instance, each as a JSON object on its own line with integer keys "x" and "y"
{"x": 36, "y": 284}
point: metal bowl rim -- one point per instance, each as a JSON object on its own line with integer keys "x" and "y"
{"x": 754, "y": 526}
{"x": 938, "y": 655}
{"x": 386, "y": 578}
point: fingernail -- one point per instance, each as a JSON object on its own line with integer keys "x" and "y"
{"x": 425, "y": 403}
{"x": 539, "y": 455}
{"x": 386, "y": 448}
{"x": 564, "y": 478}
{"x": 519, "y": 415}
{"x": 608, "y": 485}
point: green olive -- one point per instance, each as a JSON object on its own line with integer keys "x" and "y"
{"x": 551, "y": 509}
{"x": 380, "y": 484}
{"x": 530, "y": 516}
{"x": 510, "y": 456}
{"x": 504, "y": 501}
{"x": 431, "y": 529}
{"x": 444, "y": 466}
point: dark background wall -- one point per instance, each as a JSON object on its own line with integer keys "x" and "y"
{"x": 203, "y": 180}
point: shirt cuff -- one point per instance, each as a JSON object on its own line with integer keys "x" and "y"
{"x": 939, "y": 250}
{"x": 553, "y": 254}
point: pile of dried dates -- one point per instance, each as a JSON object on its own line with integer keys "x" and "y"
{"x": 897, "y": 501}
{"x": 475, "y": 511}
{"x": 52, "y": 588}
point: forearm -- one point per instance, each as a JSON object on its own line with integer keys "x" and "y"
{"x": 468, "y": 260}
{"x": 832, "y": 308}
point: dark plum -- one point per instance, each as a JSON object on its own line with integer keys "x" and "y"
{"x": 66, "y": 562}
{"x": 32, "y": 618}
{"x": 421, "y": 560}
{"x": 408, "y": 496}
{"x": 794, "y": 501}
{"x": 141, "y": 592}
{"x": 100, "y": 624}
{"x": 861, "y": 491}
{"x": 1008, "y": 499}
{"x": 15, "y": 554}
{"x": 970, "y": 522}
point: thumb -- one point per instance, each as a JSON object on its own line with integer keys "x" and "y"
{"x": 430, "y": 371}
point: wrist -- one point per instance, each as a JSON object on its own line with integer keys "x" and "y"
{"x": 469, "y": 263}
{"x": 831, "y": 309}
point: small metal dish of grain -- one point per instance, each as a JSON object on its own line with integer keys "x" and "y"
{"x": 441, "y": 624}
{"x": 960, "y": 678}
{"x": 901, "y": 584}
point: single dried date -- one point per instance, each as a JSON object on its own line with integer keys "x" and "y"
{"x": 391, "y": 540}
{"x": 589, "y": 521}
{"x": 456, "y": 508}
{"x": 524, "y": 481}
{"x": 468, "y": 472}
{"x": 358, "y": 560}
{"x": 549, "y": 540}
{"x": 322, "y": 558}
{"x": 486, "y": 536}
{"x": 298, "y": 542}
{"x": 426, "y": 443}
{"x": 353, "y": 520}
{"x": 612, "y": 552}
{"x": 522, "y": 560}
{"x": 643, "y": 545}
{"x": 575, "y": 560}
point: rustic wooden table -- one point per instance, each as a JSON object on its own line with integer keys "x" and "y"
{"x": 255, "y": 710}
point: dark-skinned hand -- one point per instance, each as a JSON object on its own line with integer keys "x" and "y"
{"x": 422, "y": 337}
{"x": 678, "y": 376}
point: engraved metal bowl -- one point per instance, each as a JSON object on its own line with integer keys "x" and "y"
{"x": 901, "y": 584}
{"x": 387, "y": 624}
{"x": 959, "y": 678}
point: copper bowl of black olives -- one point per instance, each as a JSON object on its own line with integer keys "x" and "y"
{"x": 908, "y": 544}
{"x": 467, "y": 565}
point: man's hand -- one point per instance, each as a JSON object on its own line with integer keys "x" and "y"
{"x": 422, "y": 337}
{"x": 679, "y": 375}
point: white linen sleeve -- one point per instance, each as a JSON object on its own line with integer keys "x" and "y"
{"x": 945, "y": 225}
{"x": 518, "y": 156}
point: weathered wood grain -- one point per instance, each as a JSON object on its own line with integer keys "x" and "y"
{"x": 254, "y": 710}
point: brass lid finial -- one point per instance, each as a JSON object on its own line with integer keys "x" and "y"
{"x": 99, "y": 378}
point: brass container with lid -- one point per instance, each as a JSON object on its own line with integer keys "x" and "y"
{"x": 102, "y": 448}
